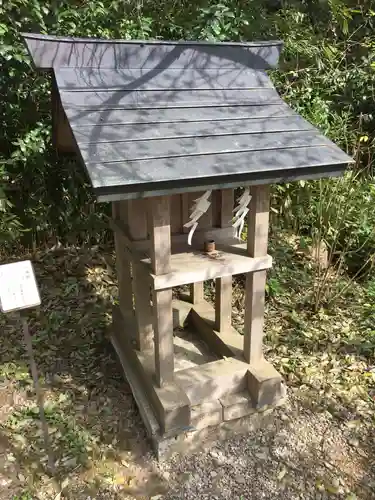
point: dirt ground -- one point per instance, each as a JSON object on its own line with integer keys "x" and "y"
{"x": 320, "y": 445}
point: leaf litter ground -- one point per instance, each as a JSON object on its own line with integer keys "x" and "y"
{"x": 320, "y": 445}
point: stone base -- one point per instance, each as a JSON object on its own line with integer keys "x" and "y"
{"x": 204, "y": 403}
{"x": 198, "y": 439}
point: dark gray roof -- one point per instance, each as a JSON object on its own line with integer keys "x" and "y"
{"x": 156, "y": 117}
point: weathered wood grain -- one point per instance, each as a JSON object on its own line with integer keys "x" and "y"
{"x": 140, "y": 99}
{"x": 164, "y": 350}
{"x": 226, "y": 206}
{"x": 62, "y": 136}
{"x": 150, "y": 116}
{"x": 190, "y": 267}
{"x": 137, "y": 224}
{"x": 54, "y": 52}
{"x": 210, "y": 145}
{"x": 86, "y": 134}
{"x": 160, "y": 236}
{"x": 223, "y": 304}
{"x": 257, "y": 241}
{"x": 176, "y": 214}
{"x": 197, "y": 292}
{"x": 223, "y": 285}
{"x": 86, "y": 79}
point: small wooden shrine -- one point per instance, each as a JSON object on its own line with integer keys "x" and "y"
{"x": 166, "y": 132}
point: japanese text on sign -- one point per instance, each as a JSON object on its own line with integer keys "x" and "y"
{"x": 18, "y": 287}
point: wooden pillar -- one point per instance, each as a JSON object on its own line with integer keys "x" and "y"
{"x": 196, "y": 292}
{"x": 226, "y": 206}
{"x": 176, "y": 214}
{"x": 223, "y": 286}
{"x": 136, "y": 219}
{"x": 223, "y": 304}
{"x": 257, "y": 242}
{"x": 160, "y": 235}
{"x": 123, "y": 266}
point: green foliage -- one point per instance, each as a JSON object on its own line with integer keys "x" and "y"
{"x": 328, "y": 77}
{"x": 23, "y": 496}
{"x": 45, "y": 198}
{"x": 327, "y": 74}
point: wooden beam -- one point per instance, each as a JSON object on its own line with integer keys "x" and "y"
{"x": 205, "y": 222}
{"x": 197, "y": 292}
{"x": 163, "y": 325}
{"x": 257, "y": 242}
{"x": 160, "y": 233}
{"x": 226, "y": 207}
{"x": 190, "y": 267}
{"x": 237, "y": 405}
{"x": 220, "y": 235}
{"x": 136, "y": 220}
{"x": 258, "y": 220}
{"x": 128, "y": 245}
{"x": 176, "y": 214}
{"x": 223, "y": 286}
{"x": 264, "y": 384}
{"x": 254, "y": 316}
{"x": 169, "y": 403}
{"x": 223, "y": 303}
{"x": 224, "y": 344}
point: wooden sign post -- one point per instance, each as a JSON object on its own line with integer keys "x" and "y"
{"x": 19, "y": 291}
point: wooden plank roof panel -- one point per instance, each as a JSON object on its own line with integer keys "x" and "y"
{"x": 56, "y": 52}
{"x": 151, "y": 116}
{"x": 89, "y": 79}
{"x": 86, "y": 134}
{"x": 95, "y": 152}
{"x": 137, "y": 99}
{"x": 159, "y": 117}
{"x": 229, "y": 169}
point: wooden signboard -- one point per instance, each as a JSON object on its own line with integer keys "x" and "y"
{"x": 18, "y": 287}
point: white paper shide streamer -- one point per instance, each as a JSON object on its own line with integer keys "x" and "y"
{"x": 201, "y": 205}
{"x": 241, "y": 211}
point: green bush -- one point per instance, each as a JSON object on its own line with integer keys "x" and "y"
{"x": 327, "y": 75}
{"x": 45, "y": 198}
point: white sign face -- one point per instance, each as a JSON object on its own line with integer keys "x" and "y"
{"x": 18, "y": 287}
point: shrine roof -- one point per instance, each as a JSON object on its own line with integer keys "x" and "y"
{"x": 156, "y": 117}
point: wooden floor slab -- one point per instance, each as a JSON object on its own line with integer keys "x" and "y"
{"x": 204, "y": 403}
{"x": 226, "y": 343}
{"x": 213, "y": 380}
{"x": 190, "y": 350}
{"x": 190, "y": 266}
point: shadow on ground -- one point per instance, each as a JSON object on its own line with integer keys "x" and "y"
{"x": 97, "y": 435}
{"x": 98, "y": 439}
